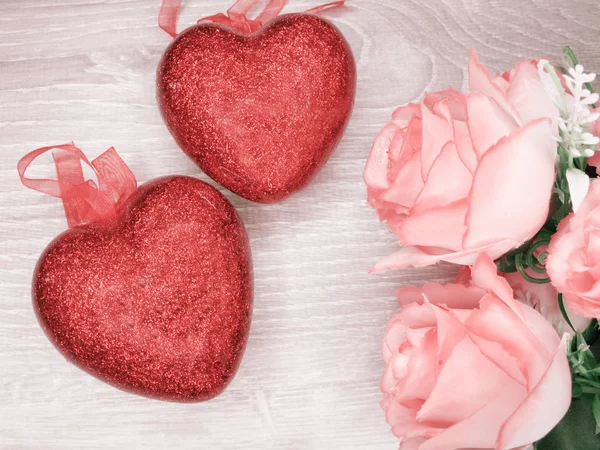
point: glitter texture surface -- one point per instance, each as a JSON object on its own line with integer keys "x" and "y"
{"x": 158, "y": 302}
{"x": 261, "y": 113}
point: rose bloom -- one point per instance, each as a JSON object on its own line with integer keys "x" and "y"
{"x": 574, "y": 256}
{"x": 459, "y": 174}
{"x": 469, "y": 367}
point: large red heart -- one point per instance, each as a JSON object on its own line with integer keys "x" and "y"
{"x": 259, "y": 113}
{"x": 159, "y": 301}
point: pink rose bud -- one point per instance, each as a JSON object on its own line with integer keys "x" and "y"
{"x": 574, "y": 256}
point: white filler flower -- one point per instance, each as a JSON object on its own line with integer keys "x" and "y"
{"x": 576, "y": 117}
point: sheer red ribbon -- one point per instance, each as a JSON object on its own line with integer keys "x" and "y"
{"x": 236, "y": 15}
{"x": 84, "y": 200}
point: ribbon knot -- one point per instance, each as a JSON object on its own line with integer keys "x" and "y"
{"x": 84, "y": 201}
{"x": 236, "y": 15}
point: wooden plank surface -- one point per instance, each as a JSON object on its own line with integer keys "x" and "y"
{"x": 84, "y": 70}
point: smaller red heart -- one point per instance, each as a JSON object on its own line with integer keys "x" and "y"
{"x": 158, "y": 301}
{"x": 260, "y": 113}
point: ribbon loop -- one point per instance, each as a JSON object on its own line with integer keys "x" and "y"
{"x": 167, "y": 17}
{"x": 236, "y": 17}
{"x": 318, "y": 9}
{"x": 84, "y": 201}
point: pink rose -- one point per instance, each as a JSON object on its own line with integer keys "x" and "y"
{"x": 459, "y": 174}
{"x": 574, "y": 256}
{"x": 471, "y": 367}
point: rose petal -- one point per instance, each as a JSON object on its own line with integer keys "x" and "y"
{"x": 485, "y": 275}
{"x": 488, "y": 123}
{"x": 450, "y": 331}
{"x": 408, "y": 295}
{"x": 594, "y": 160}
{"x": 587, "y": 208}
{"x": 501, "y": 358}
{"x": 395, "y": 336}
{"x": 375, "y": 174}
{"x": 490, "y": 323}
{"x": 407, "y": 185}
{"x": 542, "y": 328}
{"x": 467, "y": 382}
{"x": 481, "y": 429}
{"x": 528, "y": 96}
{"x": 437, "y": 131}
{"x": 558, "y": 251}
{"x": 410, "y": 143}
{"x": 440, "y": 189}
{"x": 463, "y": 276}
{"x": 464, "y": 146}
{"x": 579, "y": 183}
{"x": 402, "y": 419}
{"x": 525, "y": 194}
{"x": 423, "y": 228}
{"x": 407, "y": 112}
{"x": 418, "y": 383}
{"x": 543, "y": 298}
{"x": 455, "y": 296}
{"x": 415, "y": 337}
{"x": 502, "y": 83}
{"x": 388, "y": 381}
{"x": 411, "y": 444}
{"x": 548, "y": 402}
{"x": 417, "y": 316}
{"x": 399, "y": 366}
{"x": 416, "y": 257}
{"x": 593, "y": 217}
{"x": 480, "y": 81}
{"x": 453, "y": 99}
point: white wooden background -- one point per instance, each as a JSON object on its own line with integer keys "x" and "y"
{"x": 84, "y": 70}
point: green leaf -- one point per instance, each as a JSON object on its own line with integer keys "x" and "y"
{"x": 595, "y": 349}
{"x": 575, "y": 432}
{"x": 596, "y": 411}
{"x": 591, "y": 334}
{"x": 507, "y": 263}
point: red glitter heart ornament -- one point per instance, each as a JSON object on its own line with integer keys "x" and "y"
{"x": 259, "y": 108}
{"x": 154, "y": 296}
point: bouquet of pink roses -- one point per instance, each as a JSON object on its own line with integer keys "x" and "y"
{"x": 502, "y": 181}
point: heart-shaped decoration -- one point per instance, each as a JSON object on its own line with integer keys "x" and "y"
{"x": 158, "y": 301}
{"x": 260, "y": 113}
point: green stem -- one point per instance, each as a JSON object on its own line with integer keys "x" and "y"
{"x": 563, "y": 311}
{"x": 522, "y": 270}
{"x": 590, "y": 390}
{"x": 587, "y": 381}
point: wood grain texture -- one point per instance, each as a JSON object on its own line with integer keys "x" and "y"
{"x": 84, "y": 70}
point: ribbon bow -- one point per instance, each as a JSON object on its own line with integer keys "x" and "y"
{"x": 236, "y": 15}
{"x": 84, "y": 201}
